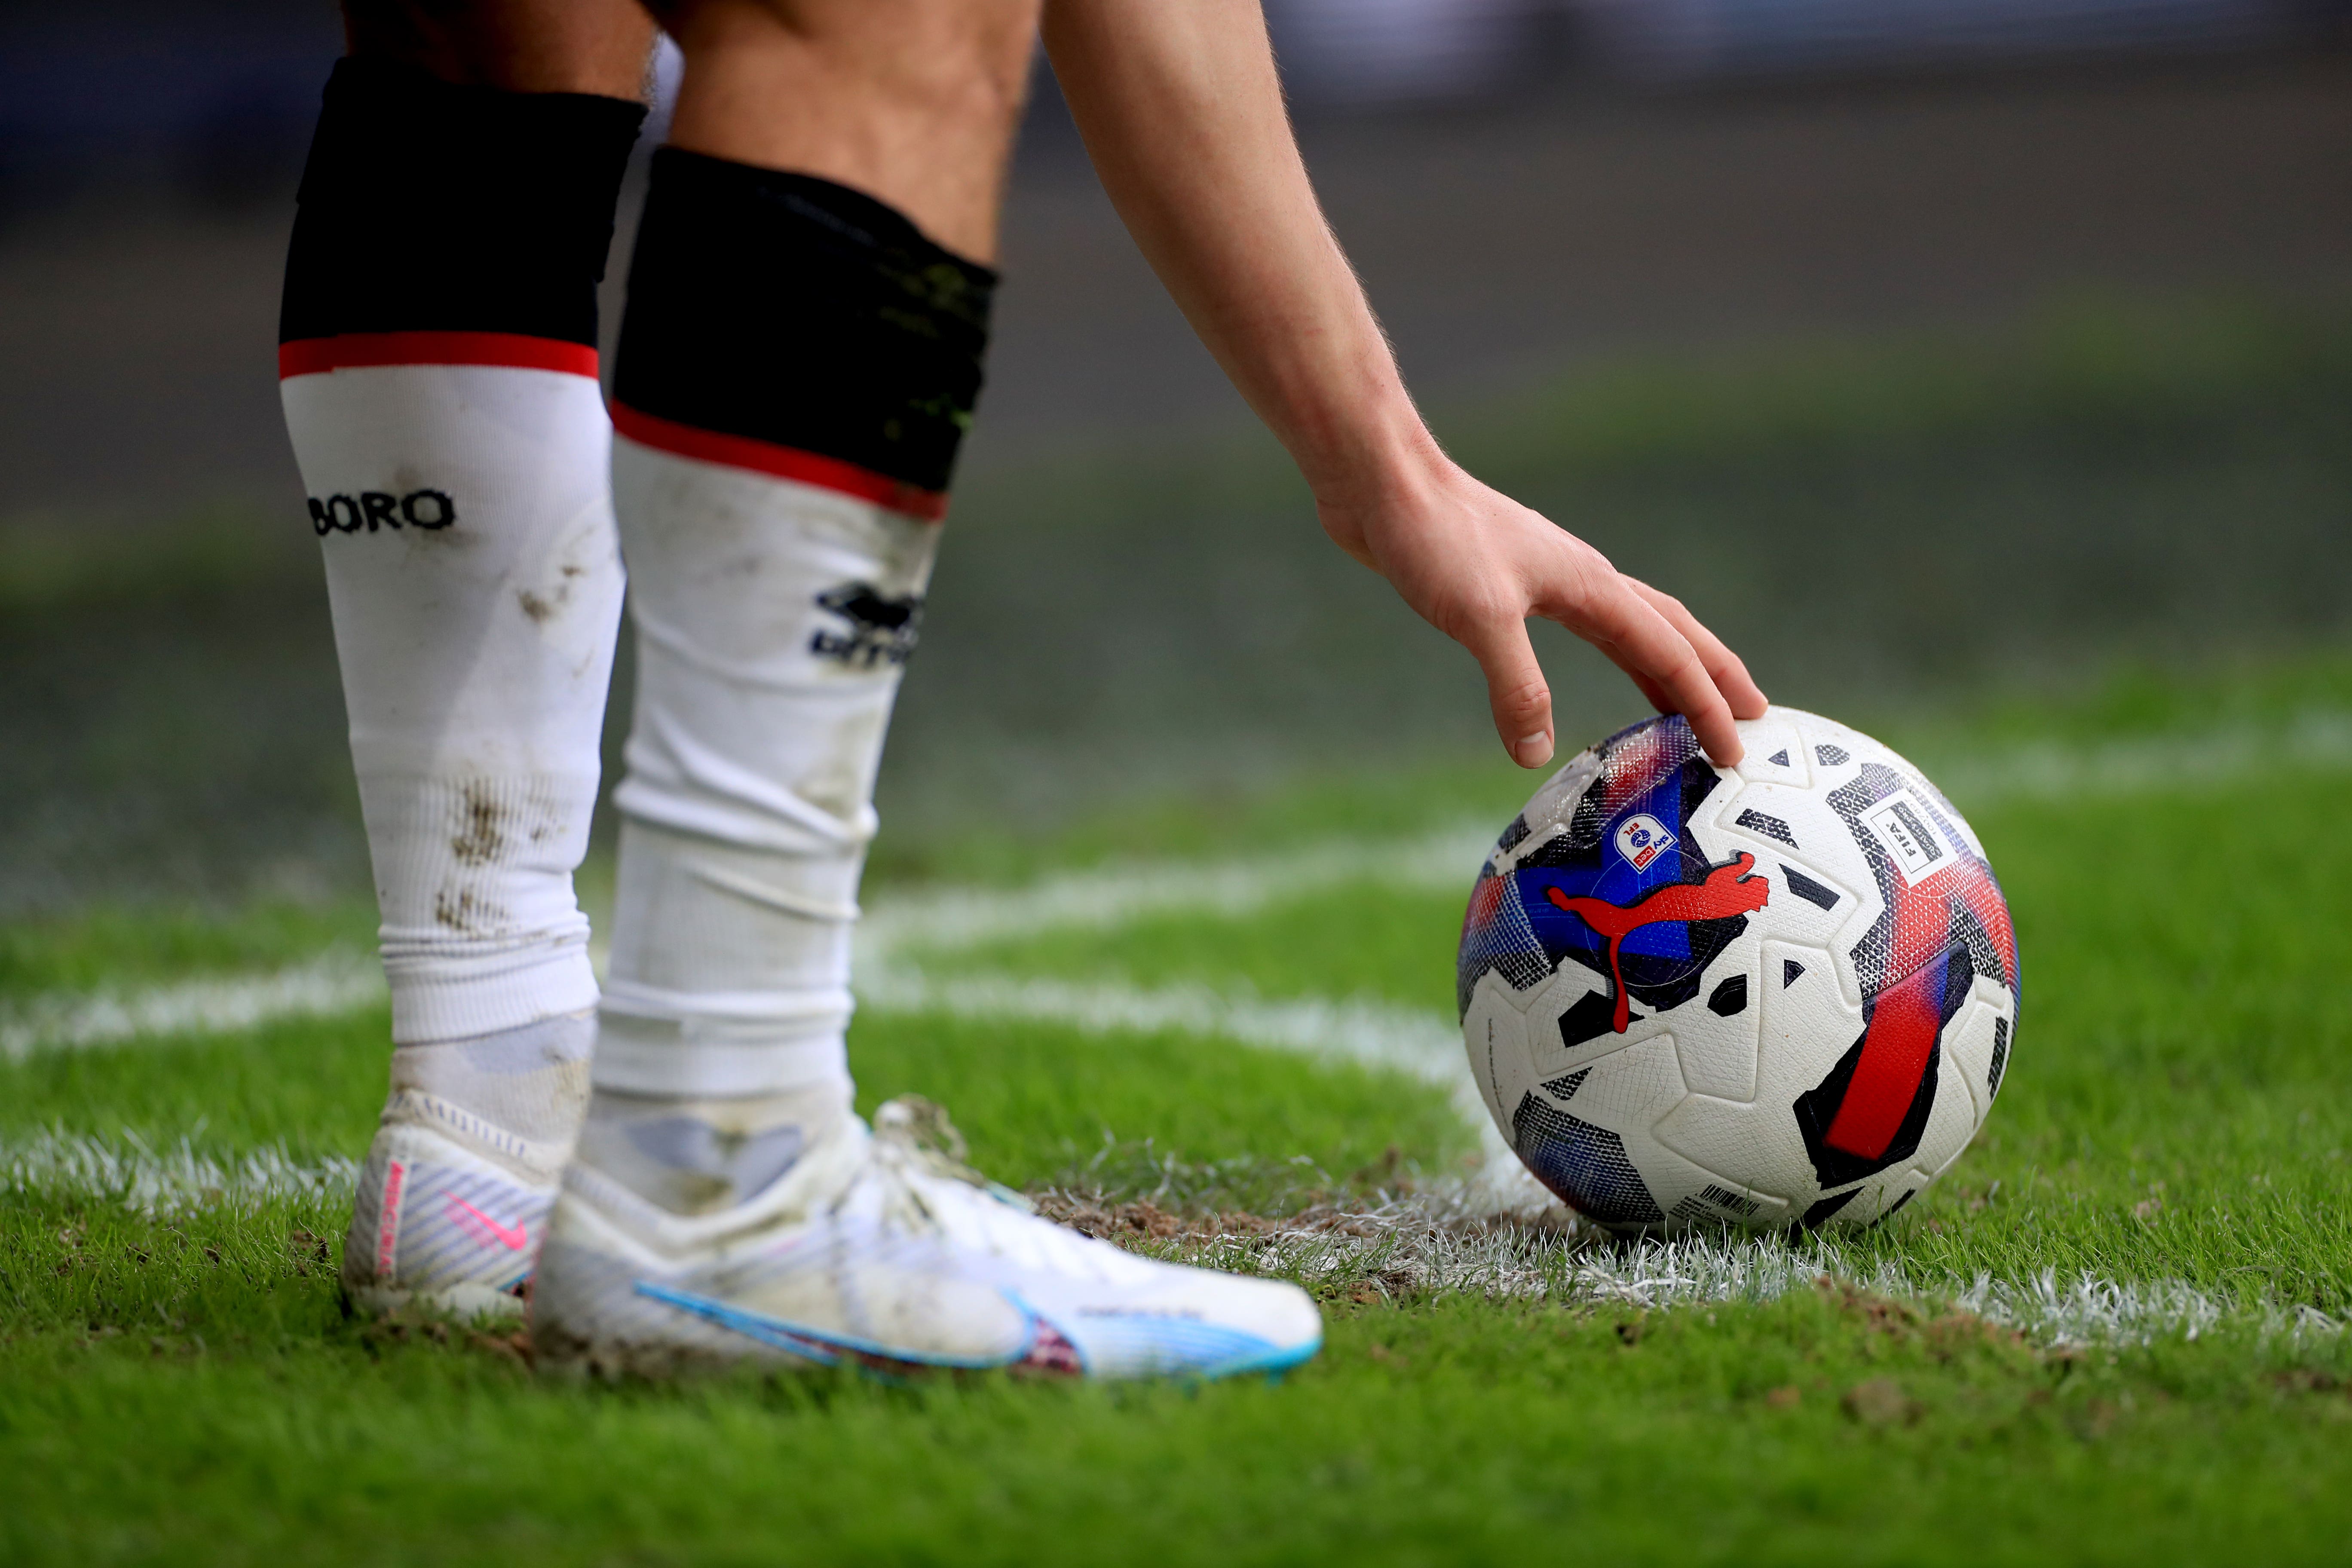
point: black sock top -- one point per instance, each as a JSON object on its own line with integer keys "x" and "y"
{"x": 427, "y": 207}
{"x": 791, "y": 309}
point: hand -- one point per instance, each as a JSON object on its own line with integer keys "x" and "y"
{"x": 1475, "y": 565}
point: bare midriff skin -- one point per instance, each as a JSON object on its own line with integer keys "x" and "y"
{"x": 917, "y": 102}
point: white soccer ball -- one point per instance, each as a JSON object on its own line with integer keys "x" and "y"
{"x": 1777, "y": 994}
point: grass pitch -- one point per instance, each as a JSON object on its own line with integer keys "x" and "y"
{"x": 2113, "y": 1334}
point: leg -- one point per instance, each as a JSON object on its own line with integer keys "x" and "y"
{"x": 914, "y": 102}
{"x": 801, "y": 356}
{"x": 439, "y": 378}
{"x": 594, "y": 47}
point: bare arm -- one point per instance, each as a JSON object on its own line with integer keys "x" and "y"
{"x": 1183, "y": 112}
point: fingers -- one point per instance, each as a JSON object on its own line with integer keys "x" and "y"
{"x": 1641, "y": 640}
{"x": 1648, "y": 687}
{"x": 1516, "y": 689}
{"x": 1478, "y": 565}
{"x": 1723, "y": 666}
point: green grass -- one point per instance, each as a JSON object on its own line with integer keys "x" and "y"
{"x": 184, "y": 1388}
{"x": 1037, "y": 1103}
{"x": 1456, "y": 1432}
{"x": 119, "y": 945}
{"x": 1359, "y": 940}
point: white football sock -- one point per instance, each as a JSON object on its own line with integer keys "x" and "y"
{"x": 516, "y": 1095}
{"x": 476, "y": 583}
{"x": 797, "y": 367}
{"x": 772, "y": 620}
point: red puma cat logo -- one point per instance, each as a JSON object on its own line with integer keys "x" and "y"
{"x": 1728, "y": 891}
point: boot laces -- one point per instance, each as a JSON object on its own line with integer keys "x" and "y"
{"x": 919, "y": 1157}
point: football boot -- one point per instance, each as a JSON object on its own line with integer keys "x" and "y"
{"x": 454, "y": 1195}
{"x": 873, "y": 1250}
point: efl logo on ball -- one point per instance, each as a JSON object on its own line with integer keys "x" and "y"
{"x": 1641, "y": 839}
{"x": 1900, "y": 824}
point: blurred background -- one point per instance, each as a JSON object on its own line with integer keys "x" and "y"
{"x": 1934, "y": 350}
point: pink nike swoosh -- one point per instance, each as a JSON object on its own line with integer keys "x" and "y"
{"x": 515, "y": 1237}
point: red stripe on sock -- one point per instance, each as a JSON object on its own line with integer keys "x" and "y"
{"x": 352, "y": 351}
{"x": 782, "y": 462}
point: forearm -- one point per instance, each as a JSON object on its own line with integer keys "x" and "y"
{"x": 1182, "y": 113}
{"x": 1180, "y": 107}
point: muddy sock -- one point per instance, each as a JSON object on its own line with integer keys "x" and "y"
{"x": 796, "y": 368}
{"x": 438, "y": 370}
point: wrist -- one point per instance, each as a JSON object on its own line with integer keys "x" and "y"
{"x": 1366, "y": 454}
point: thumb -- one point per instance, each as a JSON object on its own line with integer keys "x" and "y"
{"x": 1516, "y": 689}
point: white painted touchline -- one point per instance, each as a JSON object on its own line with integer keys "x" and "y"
{"x": 1418, "y": 1244}
{"x": 2313, "y": 740}
{"x": 946, "y": 919}
{"x": 125, "y": 1169}
{"x": 1368, "y": 1033}
{"x": 337, "y": 981}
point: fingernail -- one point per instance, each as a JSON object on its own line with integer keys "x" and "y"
{"x": 1534, "y": 751}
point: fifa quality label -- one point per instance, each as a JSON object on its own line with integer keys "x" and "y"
{"x": 1903, "y": 826}
{"x": 1642, "y": 839}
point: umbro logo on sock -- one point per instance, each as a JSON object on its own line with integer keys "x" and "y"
{"x": 373, "y": 509}
{"x": 881, "y": 627}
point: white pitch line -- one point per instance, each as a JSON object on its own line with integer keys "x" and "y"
{"x": 336, "y": 982}
{"x": 1367, "y": 1033}
{"x": 2089, "y": 1310}
{"x": 125, "y": 1170}
{"x": 2313, "y": 740}
{"x": 1422, "y": 1245}
{"x": 947, "y": 919}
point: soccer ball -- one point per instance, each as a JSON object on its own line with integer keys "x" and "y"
{"x": 1780, "y": 993}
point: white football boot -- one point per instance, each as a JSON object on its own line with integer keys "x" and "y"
{"x": 871, "y": 1249}
{"x": 452, "y": 1199}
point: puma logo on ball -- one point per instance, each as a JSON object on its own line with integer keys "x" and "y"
{"x": 1728, "y": 891}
